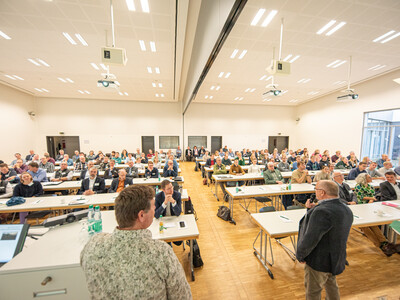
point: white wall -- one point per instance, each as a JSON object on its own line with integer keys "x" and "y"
{"x": 239, "y": 125}
{"x": 16, "y": 125}
{"x": 106, "y": 125}
{"x": 326, "y": 124}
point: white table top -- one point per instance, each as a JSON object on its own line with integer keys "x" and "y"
{"x": 269, "y": 190}
{"x": 63, "y": 202}
{"x": 364, "y": 215}
{"x": 101, "y": 173}
{"x": 62, "y": 245}
{"x": 76, "y": 184}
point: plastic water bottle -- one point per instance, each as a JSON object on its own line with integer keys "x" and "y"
{"x": 159, "y": 177}
{"x": 290, "y": 185}
{"x": 91, "y": 220}
{"x": 237, "y": 186}
{"x": 161, "y": 225}
{"x": 156, "y": 189}
{"x": 98, "y": 224}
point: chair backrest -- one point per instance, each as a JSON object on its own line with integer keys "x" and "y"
{"x": 266, "y": 209}
{"x": 294, "y": 207}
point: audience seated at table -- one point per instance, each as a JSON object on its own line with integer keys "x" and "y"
{"x": 312, "y": 164}
{"x": 30, "y": 156}
{"x": 92, "y": 184}
{"x": 112, "y": 171}
{"x": 8, "y": 174}
{"x": 36, "y": 173}
{"x": 357, "y": 170}
{"x": 380, "y": 161}
{"x": 323, "y": 174}
{"x": 81, "y": 164}
{"x": 151, "y": 172}
{"x": 188, "y": 154}
{"x": 387, "y": 166}
{"x": 170, "y": 170}
{"x": 46, "y": 165}
{"x": 104, "y": 164}
{"x": 390, "y": 189}
{"x": 373, "y": 172}
{"x": 225, "y": 160}
{"x": 17, "y": 156}
{"x": 118, "y": 184}
{"x": 336, "y": 156}
{"x": 300, "y": 175}
{"x": 272, "y": 175}
{"x": 6, "y": 190}
{"x": 25, "y": 189}
{"x": 254, "y": 168}
{"x": 63, "y": 174}
{"x": 283, "y": 165}
{"x": 240, "y": 159}
{"x": 345, "y": 192}
{"x": 60, "y": 156}
{"x": 364, "y": 190}
{"x": 132, "y": 171}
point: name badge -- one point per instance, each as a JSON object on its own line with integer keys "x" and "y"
{"x": 96, "y": 184}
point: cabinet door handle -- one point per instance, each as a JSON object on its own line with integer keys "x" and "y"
{"x": 46, "y": 280}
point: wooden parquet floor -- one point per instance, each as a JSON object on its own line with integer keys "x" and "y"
{"x": 231, "y": 271}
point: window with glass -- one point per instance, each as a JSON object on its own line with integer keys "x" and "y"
{"x": 168, "y": 142}
{"x": 381, "y": 135}
{"x": 198, "y": 141}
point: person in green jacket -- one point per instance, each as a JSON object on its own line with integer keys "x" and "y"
{"x": 219, "y": 168}
{"x": 117, "y": 158}
{"x": 240, "y": 159}
{"x": 272, "y": 175}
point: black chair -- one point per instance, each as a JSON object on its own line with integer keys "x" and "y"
{"x": 267, "y": 209}
{"x": 263, "y": 200}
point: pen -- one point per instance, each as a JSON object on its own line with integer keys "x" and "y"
{"x": 284, "y": 218}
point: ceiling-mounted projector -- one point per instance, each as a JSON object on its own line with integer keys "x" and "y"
{"x": 350, "y": 96}
{"x": 109, "y": 81}
{"x": 274, "y": 91}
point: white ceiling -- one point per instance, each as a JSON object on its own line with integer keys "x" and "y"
{"x": 36, "y": 27}
{"x": 366, "y": 20}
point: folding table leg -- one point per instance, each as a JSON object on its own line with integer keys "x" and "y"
{"x": 259, "y": 254}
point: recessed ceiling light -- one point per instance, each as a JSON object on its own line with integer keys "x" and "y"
{"x": 47, "y": 91}
{"x": 287, "y": 57}
{"x": 11, "y": 77}
{"x": 336, "y": 28}
{"x": 19, "y": 78}
{"x": 61, "y": 79}
{"x": 391, "y": 38}
{"x": 269, "y": 18}
{"x": 263, "y": 77}
{"x": 234, "y": 53}
{"x": 126, "y": 94}
{"x": 39, "y": 90}
{"x": 157, "y": 70}
{"x": 241, "y": 98}
{"x": 313, "y": 93}
{"x": 103, "y": 66}
{"x": 206, "y": 97}
{"x": 153, "y": 46}
{"x": 247, "y": 90}
{"x": 149, "y": 70}
{"x": 397, "y": 80}
{"x": 268, "y": 78}
{"x": 242, "y": 54}
{"x": 160, "y": 85}
{"x": 81, "y": 92}
{"x": 293, "y": 100}
{"x": 69, "y": 80}
{"x": 43, "y": 62}
{"x": 120, "y": 93}
{"x": 301, "y": 80}
{"x": 383, "y": 36}
{"x": 34, "y": 62}
{"x": 145, "y": 6}
{"x": 237, "y": 98}
{"x": 284, "y": 92}
{"x": 157, "y": 95}
{"x": 377, "y": 67}
{"x": 81, "y": 39}
{"x": 162, "y": 95}
{"x": 294, "y": 59}
{"x": 228, "y": 74}
{"x": 257, "y": 17}
{"x": 117, "y": 82}
{"x": 339, "y": 64}
{"x": 252, "y": 90}
{"x": 87, "y": 92}
{"x": 217, "y": 88}
{"x": 2, "y": 34}
{"x": 211, "y": 97}
{"x": 131, "y": 5}
{"x": 94, "y": 66}
{"x": 142, "y": 45}
{"x": 339, "y": 82}
{"x": 154, "y": 85}
{"x": 221, "y": 74}
{"x": 69, "y": 38}
{"x": 325, "y": 27}
{"x": 212, "y": 88}
{"x": 306, "y": 80}
{"x": 267, "y": 100}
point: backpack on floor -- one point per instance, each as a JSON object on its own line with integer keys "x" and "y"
{"x": 197, "y": 260}
{"x": 224, "y": 213}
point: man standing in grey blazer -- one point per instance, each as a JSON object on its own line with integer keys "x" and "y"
{"x": 322, "y": 240}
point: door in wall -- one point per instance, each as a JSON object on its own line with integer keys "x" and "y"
{"x": 216, "y": 143}
{"x": 68, "y": 143}
{"x": 279, "y": 142}
{"x": 147, "y": 143}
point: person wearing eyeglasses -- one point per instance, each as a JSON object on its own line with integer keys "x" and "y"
{"x": 323, "y": 234}
{"x": 345, "y": 192}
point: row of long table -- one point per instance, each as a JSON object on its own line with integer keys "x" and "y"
{"x": 280, "y": 224}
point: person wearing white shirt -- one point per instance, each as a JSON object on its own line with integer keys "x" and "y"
{"x": 254, "y": 168}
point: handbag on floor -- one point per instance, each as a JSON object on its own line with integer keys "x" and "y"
{"x": 197, "y": 260}
{"x": 224, "y": 213}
